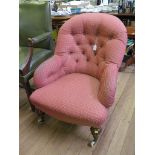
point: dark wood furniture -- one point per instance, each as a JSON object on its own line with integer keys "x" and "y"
{"x": 131, "y": 35}
{"x": 131, "y": 32}
{"x": 127, "y": 19}
{"x": 57, "y": 21}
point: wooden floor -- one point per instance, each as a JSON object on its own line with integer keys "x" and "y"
{"x": 59, "y": 138}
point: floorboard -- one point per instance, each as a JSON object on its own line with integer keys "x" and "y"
{"x": 59, "y": 138}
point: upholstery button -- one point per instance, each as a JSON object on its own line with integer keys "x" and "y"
{"x": 87, "y": 59}
{"x": 72, "y": 33}
{"x": 71, "y": 52}
{"x": 83, "y": 52}
{"x": 78, "y": 43}
{"x": 111, "y": 36}
{"x": 77, "y": 60}
{"x": 91, "y": 43}
{"x": 97, "y": 33}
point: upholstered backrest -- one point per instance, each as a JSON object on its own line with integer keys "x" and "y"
{"x": 82, "y": 33}
{"x": 34, "y": 20}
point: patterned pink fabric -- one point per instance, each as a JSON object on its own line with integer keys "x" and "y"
{"x": 74, "y": 54}
{"x": 73, "y": 99}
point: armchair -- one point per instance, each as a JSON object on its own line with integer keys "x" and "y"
{"x": 78, "y": 84}
{"x": 34, "y": 39}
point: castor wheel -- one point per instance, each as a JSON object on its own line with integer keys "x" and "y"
{"x": 41, "y": 120}
{"x": 92, "y": 143}
{"x": 41, "y": 117}
{"x": 95, "y": 132}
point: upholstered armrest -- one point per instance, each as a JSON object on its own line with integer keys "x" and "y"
{"x": 108, "y": 81}
{"x": 39, "y": 38}
{"x": 48, "y": 71}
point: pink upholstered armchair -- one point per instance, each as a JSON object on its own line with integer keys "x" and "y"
{"x": 78, "y": 84}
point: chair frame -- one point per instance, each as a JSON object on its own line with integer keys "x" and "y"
{"x": 94, "y": 131}
{"x": 25, "y": 75}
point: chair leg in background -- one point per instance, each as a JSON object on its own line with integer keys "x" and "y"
{"x": 95, "y": 132}
{"x": 29, "y": 92}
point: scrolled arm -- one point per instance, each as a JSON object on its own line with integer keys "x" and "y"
{"x": 48, "y": 71}
{"x": 31, "y": 42}
{"x": 108, "y": 82}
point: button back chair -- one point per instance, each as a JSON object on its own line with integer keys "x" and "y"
{"x": 34, "y": 39}
{"x": 78, "y": 84}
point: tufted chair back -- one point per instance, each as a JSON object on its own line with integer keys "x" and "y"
{"x": 87, "y": 41}
{"x": 86, "y": 44}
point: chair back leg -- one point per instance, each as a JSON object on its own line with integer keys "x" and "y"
{"x": 28, "y": 90}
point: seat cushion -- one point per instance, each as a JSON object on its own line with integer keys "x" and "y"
{"x": 39, "y": 55}
{"x": 72, "y": 98}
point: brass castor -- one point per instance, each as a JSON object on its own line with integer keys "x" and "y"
{"x": 41, "y": 120}
{"x": 95, "y": 132}
{"x": 41, "y": 117}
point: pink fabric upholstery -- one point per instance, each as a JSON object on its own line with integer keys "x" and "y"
{"x": 74, "y": 54}
{"x": 73, "y": 99}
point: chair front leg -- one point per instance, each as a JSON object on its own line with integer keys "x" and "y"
{"x": 95, "y": 132}
{"x": 41, "y": 117}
